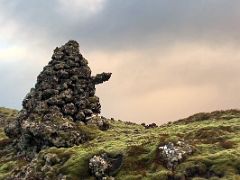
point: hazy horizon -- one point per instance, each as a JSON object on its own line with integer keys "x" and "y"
{"x": 169, "y": 59}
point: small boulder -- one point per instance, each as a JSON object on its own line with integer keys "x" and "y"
{"x": 173, "y": 154}
{"x": 104, "y": 166}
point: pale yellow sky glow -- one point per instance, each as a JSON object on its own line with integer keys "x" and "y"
{"x": 192, "y": 78}
{"x": 169, "y": 59}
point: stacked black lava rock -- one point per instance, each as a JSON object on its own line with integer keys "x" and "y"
{"x": 65, "y": 86}
{"x": 63, "y": 96}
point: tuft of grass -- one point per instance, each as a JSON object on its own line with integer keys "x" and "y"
{"x": 2, "y": 134}
{"x": 7, "y": 115}
{"x": 5, "y": 169}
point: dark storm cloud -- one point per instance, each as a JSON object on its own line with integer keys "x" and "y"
{"x": 130, "y": 24}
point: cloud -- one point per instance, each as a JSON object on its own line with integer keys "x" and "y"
{"x": 84, "y": 8}
{"x": 127, "y": 24}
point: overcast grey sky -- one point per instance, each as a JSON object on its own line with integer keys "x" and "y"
{"x": 169, "y": 59}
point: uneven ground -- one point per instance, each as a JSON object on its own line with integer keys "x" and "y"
{"x": 215, "y": 136}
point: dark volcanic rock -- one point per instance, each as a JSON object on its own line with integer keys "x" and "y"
{"x": 173, "y": 154}
{"x": 64, "y": 96}
{"x": 149, "y": 126}
{"x": 104, "y": 166}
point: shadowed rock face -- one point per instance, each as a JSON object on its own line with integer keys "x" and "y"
{"x": 64, "y": 96}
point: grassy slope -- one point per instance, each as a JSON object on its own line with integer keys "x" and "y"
{"x": 5, "y": 164}
{"x": 5, "y": 116}
{"x": 217, "y": 156}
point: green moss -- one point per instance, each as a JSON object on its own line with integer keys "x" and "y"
{"x": 2, "y": 134}
{"x": 139, "y": 148}
{"x": 6, "y": 112}
{"x": 5, "y": 169}
{"x": 198, "y": 178}
{"x": 217, "y": 142}
{"x": 130, "y": 177}
{"x": 164, "y": 175}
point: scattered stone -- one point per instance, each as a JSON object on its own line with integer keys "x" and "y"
{"x": 149, "y": 126}
{"x": 173, "y": 154}
{"x": 41, "y": 167}
{"x": 99, "y": 121}
{"x": 104, "y": 166}
{"x": 64, "y": 93}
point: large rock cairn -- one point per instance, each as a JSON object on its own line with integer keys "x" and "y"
{"x": 63, "y": 98}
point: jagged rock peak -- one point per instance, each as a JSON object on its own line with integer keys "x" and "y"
{"x": 64, "y": 90}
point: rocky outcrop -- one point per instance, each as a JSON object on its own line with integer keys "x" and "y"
{"x": 42, "y": 167}
{"x": 104, "y": 166}
{"x": 149, "y": 126}
{"x": 172, "y": 154}
{"x": 62, "y": 99}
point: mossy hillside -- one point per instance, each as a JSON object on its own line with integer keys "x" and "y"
{"x": 6, "y": 115}
{"x": 216, "y": 141}
{"x": 139, "y": 147}
{"x": 2, "y": 134}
